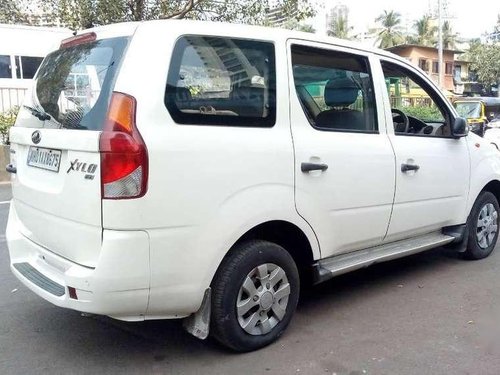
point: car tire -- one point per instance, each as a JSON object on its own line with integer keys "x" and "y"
{"x": 254, "y": 295}
{"x": 482, "y": 227}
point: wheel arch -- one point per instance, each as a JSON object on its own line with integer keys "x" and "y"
{"x": 493, "y": 187}
{"x": 289, "y": 236}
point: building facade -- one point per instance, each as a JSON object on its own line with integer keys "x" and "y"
{"x": 426, "y": 58}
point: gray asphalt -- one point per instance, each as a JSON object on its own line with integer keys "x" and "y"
{"x": 432, "y": 313}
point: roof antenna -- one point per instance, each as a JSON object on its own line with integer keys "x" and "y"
{"x": 75, "y": 32}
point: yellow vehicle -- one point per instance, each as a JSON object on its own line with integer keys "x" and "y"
{"x": 478, "y": 111}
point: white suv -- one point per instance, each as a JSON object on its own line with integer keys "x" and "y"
{"x": 175, "y": 169}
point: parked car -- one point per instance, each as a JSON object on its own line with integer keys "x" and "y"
{"x": 211, "y": 171}
{"x": 479, "y": 112}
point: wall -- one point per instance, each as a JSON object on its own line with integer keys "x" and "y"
{"x": 414, "y": 54}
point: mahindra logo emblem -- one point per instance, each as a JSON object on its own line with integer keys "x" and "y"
{"x": 36, "y": 137}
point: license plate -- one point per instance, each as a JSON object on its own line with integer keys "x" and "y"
{"x": 44, "y": 158}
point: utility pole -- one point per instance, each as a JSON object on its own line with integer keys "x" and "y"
{"x": 440, "y": 44}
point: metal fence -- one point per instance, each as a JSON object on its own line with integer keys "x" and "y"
{"x": 411, "y": 101}
{"x": 10, "y": 98}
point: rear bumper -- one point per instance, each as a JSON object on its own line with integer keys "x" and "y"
{"x": 118, "y": 286}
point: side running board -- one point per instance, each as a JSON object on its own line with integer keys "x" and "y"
{"x": 327, "y": 268}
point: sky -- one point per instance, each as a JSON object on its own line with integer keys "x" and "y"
{"x": 469, "y": 18}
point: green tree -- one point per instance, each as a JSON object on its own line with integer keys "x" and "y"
{"x": 339, "y": 26}
{"x": 78, "y": 14}
{"x": 486, "y": 63}
{"x": 390, "y": 34}
{"x": 10, "y": 12}
{"x": 298, "y": 26}
{"x": 449, "y": 37}
{"x": 426, "y": 33}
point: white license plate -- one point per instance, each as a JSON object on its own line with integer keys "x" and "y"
{"x": 44, "y": 158}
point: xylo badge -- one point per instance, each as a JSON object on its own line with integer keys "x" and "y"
{"x": 88, "y": 169}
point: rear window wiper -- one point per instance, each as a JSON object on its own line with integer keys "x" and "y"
{"x": 41, "y": 115}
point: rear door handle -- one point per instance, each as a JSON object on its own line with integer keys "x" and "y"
{"x": 308, "y": 167}
{"x": 409, "y": 167}
{"x": 10, "y": 168}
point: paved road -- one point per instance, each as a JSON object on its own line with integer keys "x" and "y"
{"x": 428, "y": 314}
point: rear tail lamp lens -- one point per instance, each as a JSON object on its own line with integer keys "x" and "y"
{"x": 124, "y": 157}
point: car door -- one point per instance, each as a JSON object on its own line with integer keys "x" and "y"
{"x": 432, "y": 167}
{"x": 344, "y": 162}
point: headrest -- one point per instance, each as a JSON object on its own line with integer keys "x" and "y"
{"x": 341, "y": 92}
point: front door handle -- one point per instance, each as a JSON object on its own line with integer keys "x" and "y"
{"x": 308, "y": 167}
{"x": 409, "y": 167}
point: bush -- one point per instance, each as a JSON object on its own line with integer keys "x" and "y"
{"x": 423, "y": 113}
{"x": 7, "y": 120}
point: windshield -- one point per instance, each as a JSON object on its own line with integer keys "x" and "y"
{"x": 469, "y": 109}
{"x": 73, "y": 85}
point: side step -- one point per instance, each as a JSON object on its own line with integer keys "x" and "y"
{"x": 327, "y": 268}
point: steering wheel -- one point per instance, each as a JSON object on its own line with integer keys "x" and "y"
{"x": 400, "y": 115}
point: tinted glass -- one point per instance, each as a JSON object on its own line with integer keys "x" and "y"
{"x": 222, "y": 81}
{"x": 74, "y": 84}
{"x": 335, "y": 89}
{"x": 5, "y": 71}
{"x": 30, "y": 66}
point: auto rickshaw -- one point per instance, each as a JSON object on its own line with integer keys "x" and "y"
{"x": 478, "y": 111}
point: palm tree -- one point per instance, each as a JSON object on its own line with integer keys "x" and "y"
{"x": 426, "y": 33}
{"x": 391, "y": 32}
{"x": 449, "y": 37}
{"x": 339, "y": 26}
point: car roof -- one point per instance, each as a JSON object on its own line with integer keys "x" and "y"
{"x": 232, "y": 29}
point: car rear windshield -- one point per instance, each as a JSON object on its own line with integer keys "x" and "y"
{"x": 73, "y": 85}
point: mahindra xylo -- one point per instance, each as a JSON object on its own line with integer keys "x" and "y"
{"x": 175, "y": 169}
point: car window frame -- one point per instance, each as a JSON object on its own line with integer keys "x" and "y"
{"x": 359, "y": 53}
{"x": 435, "y": 94}
{"x": 174, "y": 64}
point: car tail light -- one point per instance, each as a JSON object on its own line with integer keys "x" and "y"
{"x": 124, "y": 157}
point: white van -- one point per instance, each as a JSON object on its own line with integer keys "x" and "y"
{"x": 22, "y": 50}
{"x": 239, "y": 162}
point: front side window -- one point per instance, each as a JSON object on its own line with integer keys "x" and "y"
{"x": 222, "y": 81}
{"x": 5, "y": 67}
{"x": 335, "y": 89}
{"x": 416, "y": 109}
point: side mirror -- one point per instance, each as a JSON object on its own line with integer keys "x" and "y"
{"x": 459, "y": 128}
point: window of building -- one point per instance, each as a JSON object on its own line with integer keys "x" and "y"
{"x": 423, "y": 64}
{"x": 222, "y": 81}
{"x": 435, "y": 67}
{"x": 5, "y": 67}
{"x": 335, "y": 89}
{"x": 448, "y": 68}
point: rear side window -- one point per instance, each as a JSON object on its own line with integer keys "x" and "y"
{"x": 222, "y": 81}
{"x": 74, "y": 84}
{"x": 335, "y": 89}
